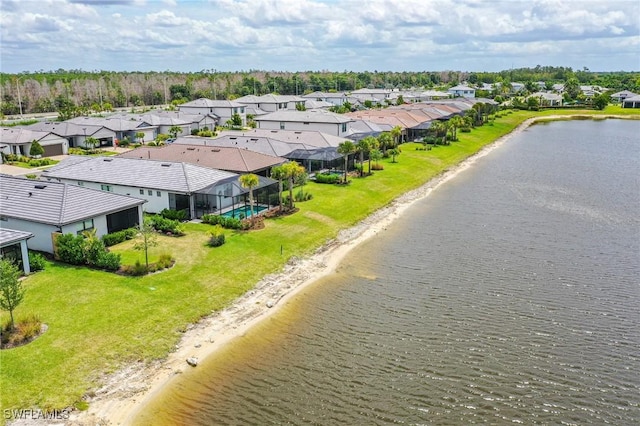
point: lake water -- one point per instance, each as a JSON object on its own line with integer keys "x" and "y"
{"x": 511, "y": 294}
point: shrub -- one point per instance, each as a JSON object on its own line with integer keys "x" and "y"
{"x": 108, "y": 261}
{"x": 165, "y": 261}
{"x": 327, "y": 178}
{"x": 377, "y": 166}
{"x": 302, "y": 196}
{"x": 216, "y": 237}
{"x": 31, "y": 176}
{"x": 465, "y": 129}
{"x": 174, "y": 214}
{"x": 36, "y": 149}
{"x": 70, "y": 249}
{"x": 119, "y": 236}
{"x": 77, "y": 250}
{"x": 162, "y": 224}
{"x": 138, "y": 269}
{"x": 39, "y": 163}
{"x": 25, "y": 330}
{"x": 224, "y": 221}
{"x": 37, "y": 261}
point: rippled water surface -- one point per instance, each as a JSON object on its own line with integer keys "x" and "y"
{"x": 511, "y": 294}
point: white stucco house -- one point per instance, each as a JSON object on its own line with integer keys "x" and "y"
{"x": 13, "y": 246}
{"x": 222, "y": 109}
{"x": 318, "y": 120}
{"x": 45, "y": 208}
{"x": 462, "y": 91}
{"x": 15, "y": 140}
{"x": 271, "y": 103}
{"x": 162, "y": 184}
{"x": 76, "y": 134}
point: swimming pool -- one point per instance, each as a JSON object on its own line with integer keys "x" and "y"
{"x": 243, "y": 211}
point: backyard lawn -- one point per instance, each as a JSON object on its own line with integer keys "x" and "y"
{"x": 100, "y": 321}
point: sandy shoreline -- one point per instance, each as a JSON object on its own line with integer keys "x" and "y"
{"x": 126, "y": 392}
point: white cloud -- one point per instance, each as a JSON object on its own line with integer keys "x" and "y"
{"x": 307, "y": 34}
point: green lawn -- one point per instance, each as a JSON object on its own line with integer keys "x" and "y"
{"x": 100, "y": 321}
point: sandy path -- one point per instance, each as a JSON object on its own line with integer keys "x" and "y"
{"x": 125, "y": 392}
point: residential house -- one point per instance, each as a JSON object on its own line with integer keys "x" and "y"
{"x": 618, "y": 97}
{"x": 163, "y": 184}
{"x": 123, "y": 127}
{"x": 376, "y": 96}
{"x": 631, "y": 102}
{"x": 462, "y": 91}
{"x": 271, "y": 103}
{"x": 334, "y": 98}
{"x": 547, "y": 99}
{"x": 13, "y": 246}
{"x": 45, "y": 208}
{"x": 76, "y": 134}
{"x": 223, "y": 109}
{"x": 321, "y": 121}
{"x": 16, "y": 140}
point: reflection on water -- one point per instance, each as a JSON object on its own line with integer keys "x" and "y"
{"x": 511, "y": 294}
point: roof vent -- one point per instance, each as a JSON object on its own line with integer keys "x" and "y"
{"x": 107, "y": 159}
{"x": 165, "y": 165}
{"x": 191, "y": 149}
{"x": 215, "y": 150}
{"x": 40, "y": 186}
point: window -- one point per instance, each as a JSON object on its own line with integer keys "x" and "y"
{"x": 107, "y": 188}
{"x": 149, "y": 191}
{"x": 86, "y": 225}
{"x": 344, "y": 127}
{"x": 158, "y": 194}
{"x": 142, "y": 192}
{"x": 282, "y": 125}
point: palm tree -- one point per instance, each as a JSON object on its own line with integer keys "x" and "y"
{"x": 394, "y": 153}
{"x": 373, "y": 146}
{"x": 346, "y": 148}
{"x": 385, "y": 141}
{"x": 250, "y": 181}
{"x": 278, "y": 174}
{"x": 291, "y": 171}
{"x": 362, "y": 146}
{"x": 374, "y": 155}
{"x": 174, "y": 130}
{"x": 91, "y": 142}
{"x": 140, "y": 136}
{"x": 455, "y": 122}
{"x": 396, "y": 134}
{"x": 439, "y": 128}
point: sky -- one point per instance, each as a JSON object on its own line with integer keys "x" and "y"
{"x": 316, "y": 35}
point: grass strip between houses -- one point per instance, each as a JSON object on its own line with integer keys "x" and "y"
{"x": 98, "y": 321}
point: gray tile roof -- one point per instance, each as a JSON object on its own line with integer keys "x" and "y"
{"x": 57, "y": 203}
{"x": 308, "y": 137}
{"x": 163, "y": 175}
{"x": 305, "y": 116}
{"x": 65, "y": 128}
{"x": 12, "y": 236}
{"x": 269, "y": 99}
{"x": 117, "y": 124}
{"x": 210, "y": 103}
{"x": 18, "y": 135}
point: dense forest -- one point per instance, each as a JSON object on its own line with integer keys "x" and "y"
{"x": 62, "y": 90}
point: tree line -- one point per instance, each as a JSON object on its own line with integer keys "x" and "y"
{"x": 77, "y": 91}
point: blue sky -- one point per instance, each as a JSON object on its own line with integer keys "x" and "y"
{"x": 313, "y": 35}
